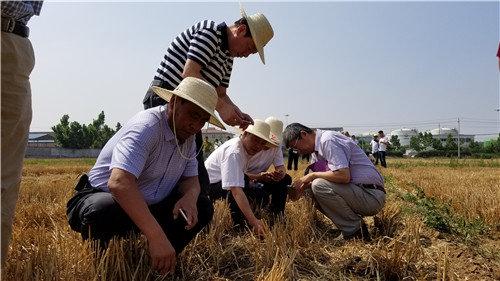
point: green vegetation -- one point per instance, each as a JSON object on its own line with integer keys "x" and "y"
{"x": 439, "y": 216}
{"x": 75, "y": 135}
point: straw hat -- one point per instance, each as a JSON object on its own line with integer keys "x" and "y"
{"x": 276, "y": 125}
{"x": 196, "y": 91}
{"x": 261, "y": 30}
{"x": 260, "y": 129}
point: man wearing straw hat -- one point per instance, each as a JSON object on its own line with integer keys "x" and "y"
{"x": 145, "y": 178}
{"x": 273, "y": 184}
{"x": 351, "y": 187}
{"x": 226, "y": 168}
{"x": 206, "y": 51}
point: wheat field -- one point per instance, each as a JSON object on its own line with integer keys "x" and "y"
{"x": 406, "y": 245}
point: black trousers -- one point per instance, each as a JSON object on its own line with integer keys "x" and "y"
{"x": 377, "y": 157}
{"x": 152, "y": 100}
{"x": 258, "y": 197}
{"x": 97, "y": 216}
{"x": 381, "y": 155}
{"x": 293, "y": 157}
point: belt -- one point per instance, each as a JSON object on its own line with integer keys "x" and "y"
{"x": 12, "y": 26}
{"x": 371, "y": 186}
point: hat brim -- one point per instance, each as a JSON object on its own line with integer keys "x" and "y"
{"x": 258, "y": 45}
{"x": 167, "y": 95}
{"x": 258, "y": 134}
{"x": 276, "y": 143}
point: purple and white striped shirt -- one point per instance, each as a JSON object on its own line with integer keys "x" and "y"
{"x": 341, "y": 152}
{"x": 146, "y": 148}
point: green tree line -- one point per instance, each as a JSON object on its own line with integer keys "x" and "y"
{"x": 75, "y": 135}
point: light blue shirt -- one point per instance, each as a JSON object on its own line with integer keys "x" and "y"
{"x": 146, "y": 148}
{"x": 341, "y": 152}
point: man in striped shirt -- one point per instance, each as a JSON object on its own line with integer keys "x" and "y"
{"x": 206, "y": 50}
{"x": 18, "y": 60}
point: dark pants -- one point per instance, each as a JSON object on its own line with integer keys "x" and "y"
{"x": 293, "y": 157}
{"x": 152, "y": 100}
{"x": 306, "y": 157}
{"x": 381, "y": 155}
{"x": 377, "y": 157}
{"x": 97, "y": 216}
{"x": 257, "y": 197}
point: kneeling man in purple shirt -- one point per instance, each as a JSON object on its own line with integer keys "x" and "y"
{"x": 145, "y": 179}
{"x": 350, "y": 189}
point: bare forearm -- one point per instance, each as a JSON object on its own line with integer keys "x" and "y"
{"x": 132, "y": 202}
{"x": 190, "y": 187}
{"x": 253, "y": 176}
{"x": 243, "y": 204}
{"x": 223, "y": 99}
{"x": 340, "y": 176}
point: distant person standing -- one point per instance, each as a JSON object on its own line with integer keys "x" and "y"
{"x": 18, "y": 60}
{"x": 353, "y": 137}
{"x": 498, "y": 56}
{"x": 383, "y": 143}
{"x": 293, "y": 157}
{"x": 374, "y": 145}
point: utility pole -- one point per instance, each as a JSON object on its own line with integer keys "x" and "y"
{"x": 498, "y": 120}
{"x": 458, "y": 136}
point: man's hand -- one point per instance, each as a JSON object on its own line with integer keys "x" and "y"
{"x": 258, "y": 227}
{"x": 278, "y": 175}
{"x": 188, "y": 205}
{"x": 231, "y": 114}
{"x": 300, "y": 185}
{"x": 265, "y": 177}
{"x": 274, "y": 176}
{"x": 162, "y": 253}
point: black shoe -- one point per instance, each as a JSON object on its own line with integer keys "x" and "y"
{"x": 362, "y": 233}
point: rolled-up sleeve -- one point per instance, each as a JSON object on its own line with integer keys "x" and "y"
{"x": 232, "y": 171}
{"x": 336, "y": 154}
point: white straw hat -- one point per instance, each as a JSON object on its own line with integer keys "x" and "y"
{"x": 261, "y": 30}
{"x": 196, "y": 91}
{"x": 276, "y": 125}
{"x": 260, "y": 129}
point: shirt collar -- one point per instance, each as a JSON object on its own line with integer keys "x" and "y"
{"x": 222, "y": 27}
{"x": 243, "y": 151}
{"x": 168, "y": 135}
{"x": 317, "y": 141}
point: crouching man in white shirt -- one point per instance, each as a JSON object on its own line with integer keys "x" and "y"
{"x": 274, "y": 184}
{"x": 226, "y": 168}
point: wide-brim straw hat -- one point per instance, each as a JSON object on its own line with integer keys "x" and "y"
{"x": 196, "y": 91}
{"x": 260, "y": 129}
{"x": 261, "y": 30}
{"x": 276, "y": 134}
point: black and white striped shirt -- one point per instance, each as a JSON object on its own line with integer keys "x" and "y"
{"x": 206, "y": 43}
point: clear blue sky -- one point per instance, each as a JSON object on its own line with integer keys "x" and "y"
{"x": 363, "y": 66}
